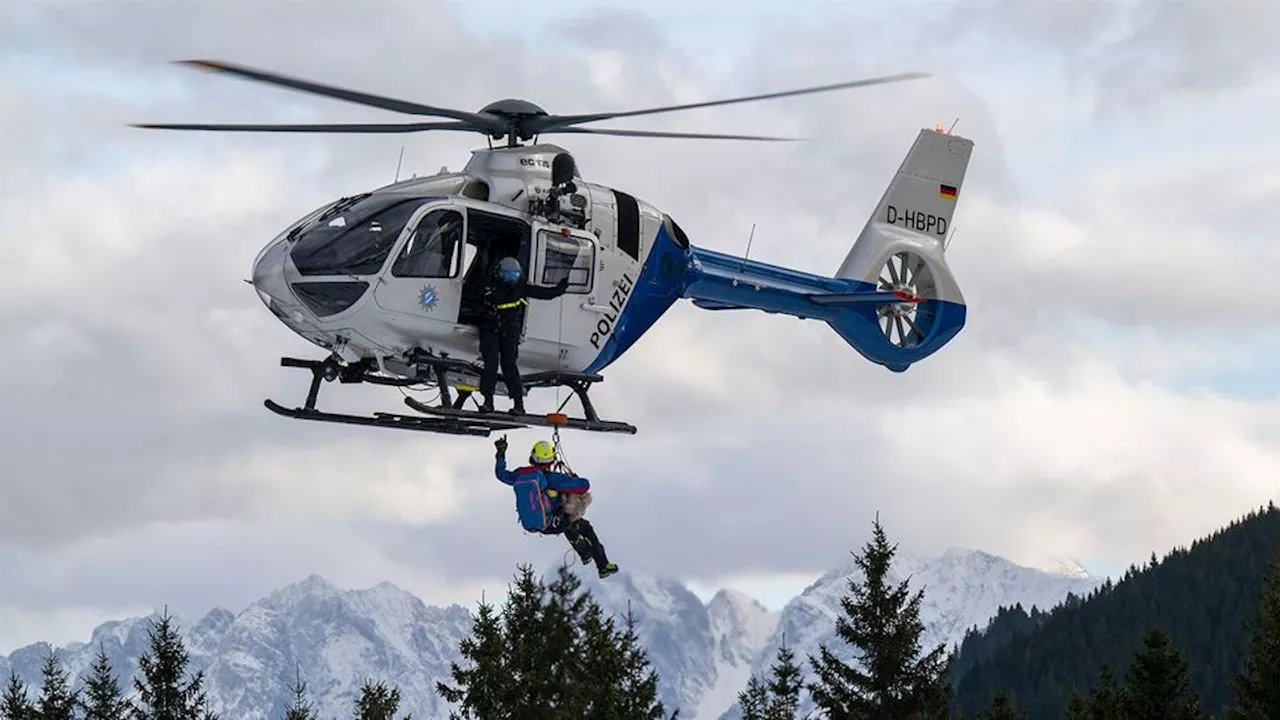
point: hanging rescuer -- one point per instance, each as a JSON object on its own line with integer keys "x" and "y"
{"x": 551, "y": 500}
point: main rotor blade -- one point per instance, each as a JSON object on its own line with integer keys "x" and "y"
{"x": 659, "y": 134}
{"x": 354, "y": 96}
{"x": 544, "y": 124}
{"x": 318, "y": 128}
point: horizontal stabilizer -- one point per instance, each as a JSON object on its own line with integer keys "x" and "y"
{"x": 870, "y": 296}
{"x": 715, "y": 305}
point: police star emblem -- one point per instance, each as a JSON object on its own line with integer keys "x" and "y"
{"x": 427, "y": 298}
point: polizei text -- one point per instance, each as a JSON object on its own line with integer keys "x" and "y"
{"x": 619, "y": 298}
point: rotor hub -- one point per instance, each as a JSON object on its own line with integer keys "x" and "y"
{"x": 512, "y": 108}
{"x": 514, "y": 113}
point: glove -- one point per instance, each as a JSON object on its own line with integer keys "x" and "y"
{"x": 563, "y": 285}
{"x": 501, "y": 445}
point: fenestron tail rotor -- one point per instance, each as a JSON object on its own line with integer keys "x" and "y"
{"x": 906, "y": 324}
{"x": 513, "y": 119}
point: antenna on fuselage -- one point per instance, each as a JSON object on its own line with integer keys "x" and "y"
{"x": 398, "y": 162}
{"x": 747, "y": 254}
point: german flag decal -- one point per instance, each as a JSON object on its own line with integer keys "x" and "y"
{"x": 947, "y": 191}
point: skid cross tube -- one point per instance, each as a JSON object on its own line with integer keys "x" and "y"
{"x": 449, "y": 416}
{"x": 579, "y": 383}
{"x": 329, "y": 370}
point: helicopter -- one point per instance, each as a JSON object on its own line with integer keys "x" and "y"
{"x": 388, "y": 280}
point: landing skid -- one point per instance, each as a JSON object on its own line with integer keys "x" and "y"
{"x": 449, "y": 417}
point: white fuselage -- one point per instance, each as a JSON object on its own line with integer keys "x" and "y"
{"x": 420, "y": 274}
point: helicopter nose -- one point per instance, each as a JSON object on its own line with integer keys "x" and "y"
{"x": 269, "y": 281}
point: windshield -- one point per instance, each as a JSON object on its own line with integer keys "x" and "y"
{"x": 356, "y": 240}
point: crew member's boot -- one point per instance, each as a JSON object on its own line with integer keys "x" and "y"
{"x": 487, "y": 407}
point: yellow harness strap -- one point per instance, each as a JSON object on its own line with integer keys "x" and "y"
{"x": 508, "y": 306}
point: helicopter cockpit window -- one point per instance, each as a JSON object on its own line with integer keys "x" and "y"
{"x": 434, "y": 247}
{"x": 566, "y": 256}
{"x": 357, "y": 241}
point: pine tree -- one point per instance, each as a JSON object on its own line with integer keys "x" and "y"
{"x": 785, "y": 686}
{"x": 1156, "y": 685}
{"x": 377, "y": 701}
{"x": 551, "y": 654}
{"x": 300, "y": 708}
{"x": 599, "y": 652}
{"x": 633, "y": 688}
{"x": 883, "y": 624}
{"x": 521, "y": 646}
{"x": 14, "y": 704}
{"x": 562, "y": 675}
{"x": 753, "y": 702}
{"x": 778, "y": 698}
{"x": 1003, "y": 708}
{"x": 1078, "y": 707}
{"x": 162, "y": 694}
{"x": 1256, "y": 688}
{"x": 484, "y": 689}
{"x": 102, "y": 693}
{"x": 56, "y": 701}
{"x": 1105, "y": 702}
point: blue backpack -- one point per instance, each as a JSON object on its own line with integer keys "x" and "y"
{"x": 532, "y": 504}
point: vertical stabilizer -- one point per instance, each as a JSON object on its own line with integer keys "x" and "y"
{"x": 915, "y": 215}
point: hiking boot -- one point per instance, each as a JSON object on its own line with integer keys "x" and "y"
{"x": 608, "y": 570}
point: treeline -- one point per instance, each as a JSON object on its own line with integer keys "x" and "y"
{"x": 164, "y": 691}
{"x": 1203, "y": 615}
{"x": 550, "y": 653}
{"x": 898, "y": 679}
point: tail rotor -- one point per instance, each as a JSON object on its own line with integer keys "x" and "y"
{"x": 907, "y": 323}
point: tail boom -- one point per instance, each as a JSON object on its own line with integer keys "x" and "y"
{"x": 852, "y": 308}
{"x": 893, "y": 299}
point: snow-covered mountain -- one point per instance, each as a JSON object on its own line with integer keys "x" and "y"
{"x": 336, "y": 639}
{"x": 962, "y": 589}
{"x": 704, "y": 653}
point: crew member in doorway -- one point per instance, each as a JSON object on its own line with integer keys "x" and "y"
{"x": 504, "y": 299}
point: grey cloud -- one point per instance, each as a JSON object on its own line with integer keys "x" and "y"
{"x": 136, "y": 407}
{"x": 1191, "y": 45}
{"x": 1141, "y": 55}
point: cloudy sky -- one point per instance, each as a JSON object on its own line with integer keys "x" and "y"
{"x": 1112, "y": 395}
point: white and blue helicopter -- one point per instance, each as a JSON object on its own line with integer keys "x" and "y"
{"x": 388, "y": 280}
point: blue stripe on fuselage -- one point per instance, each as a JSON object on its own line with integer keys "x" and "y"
{"x": 660, "y": 284}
